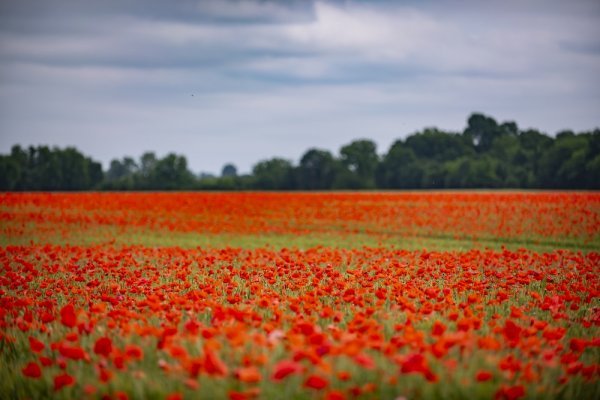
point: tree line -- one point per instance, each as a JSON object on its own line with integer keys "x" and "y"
{"x": 485, "y": 155}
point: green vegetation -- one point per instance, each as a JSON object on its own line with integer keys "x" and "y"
{"x": 485, "y": 155}
{"x": 42, "y": 168}
{"x": 74, "y": 235}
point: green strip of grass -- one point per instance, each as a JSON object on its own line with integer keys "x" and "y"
{"x": 83, "y": 236}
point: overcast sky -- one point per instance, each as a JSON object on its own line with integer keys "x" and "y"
{"x": 240, "y": 81}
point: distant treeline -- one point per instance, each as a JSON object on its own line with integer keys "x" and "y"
{"x": 485, "y": 155}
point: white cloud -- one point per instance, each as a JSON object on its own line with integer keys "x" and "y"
{"x": 363, "y": 31}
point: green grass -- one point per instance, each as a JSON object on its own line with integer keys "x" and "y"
{"x": 76, "y": 235}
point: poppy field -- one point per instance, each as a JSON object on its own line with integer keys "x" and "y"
{"x": 425, "y": 295}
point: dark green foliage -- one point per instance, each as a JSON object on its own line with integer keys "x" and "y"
{"x": 43, "y": 168}
{"x": 489, "y": 155}
{"x": 358, "y": 163}
{"x": 229, "y": 170}
{"x": 317, "y": 170}
{"x": 571, "y": 162}
{"x": 151, "y": 173}
{"x": 399, "y": 168}
{"x": 274, "y": 174}
{"x": 10, "y": 173}
{"x": 482, "y": 131}
{"x": 485, "y": 155}
{"x": 438, "y": 145}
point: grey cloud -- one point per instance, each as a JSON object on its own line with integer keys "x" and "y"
{"x": 273, "y": 78}
{"x": 186, "y": 10}
{"x": 592, "y": 48}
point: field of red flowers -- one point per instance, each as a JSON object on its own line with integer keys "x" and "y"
{"x": 84, "y": 314}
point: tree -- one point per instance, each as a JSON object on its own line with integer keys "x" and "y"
{"x": 126, "y": 168}
{"x": 592, "y": 169}
{"x": 433, "y": 174}
{"x": 124, "y": 175}
{"x": 148, "y": 161}
{"x": 74, "y": 170}
{"x": 509, "y": 128}
{"x": 316, "y": 170}
{"x": 564, "y": 164}
{"x": 274, "y": 174}
{"x": 96, "y": 173}
{"x": 399, "y": 168}
{"x": 438, "y": 145}
{"x": 359, "y": 159}
{"x": 45, "y": 168}
{"x": 482, "y": 131}
{"x": 592, "y": 166}
{"x": 482, "y": 173}
{"x": 170, "y": 173}
{"x": 533, "y": 145}
{"x": 229, "y": 170}
{"x": 10, "y": 173}
{"x": 456, "y": 171}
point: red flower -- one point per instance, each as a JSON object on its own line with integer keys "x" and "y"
{"x": 74, "y": 353}
{"x": 438, "y": 328}
{"x": 335, "y": 395}
{"x": 103, "y": 346}
{"x": 510, "y": 393}
{"x": 67, "y": 316}
{"x": 483, "y": 376}
{"x": 245, "y": 395}
{"x": 63, "y": 380}
{"x": 192, "y": 327}
{"x": 46, "y": 362}
{"x": 413, "y": 363}
{"x": 105, "y": 375}
{"x": 46, "y": 317}
{"x": 121, "y": 396}
{"x": 213, "y": 365}
{"x": 285, "y": 368}
{"x": 134, "y": 352}
{"x": 35, "y": 345}
{"x": 511, "y": 331}
{"x": 554, "y": 334}
{"x": 32, "y": 370}
{"x": 364, "y": 360}
{"x": 416, "y": 363}
{"x": 316, "y": 382}
{"x": 577, "y": 345}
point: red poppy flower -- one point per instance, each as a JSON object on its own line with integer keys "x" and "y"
{"x": 67, "y": 316}
{"x": 32, "y": 370}
{"x": 213, "y": 365}
{"x": 35, "y": 345}
{"x": 63, "y": 380}
{"x": 483, "y": 376}
{"x": 103, "y": 346}
{"x": 284, "y": 368}
{"x": 316, "y": 382}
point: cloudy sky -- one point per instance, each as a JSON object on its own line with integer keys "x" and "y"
{"x": 240, "y": 81}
